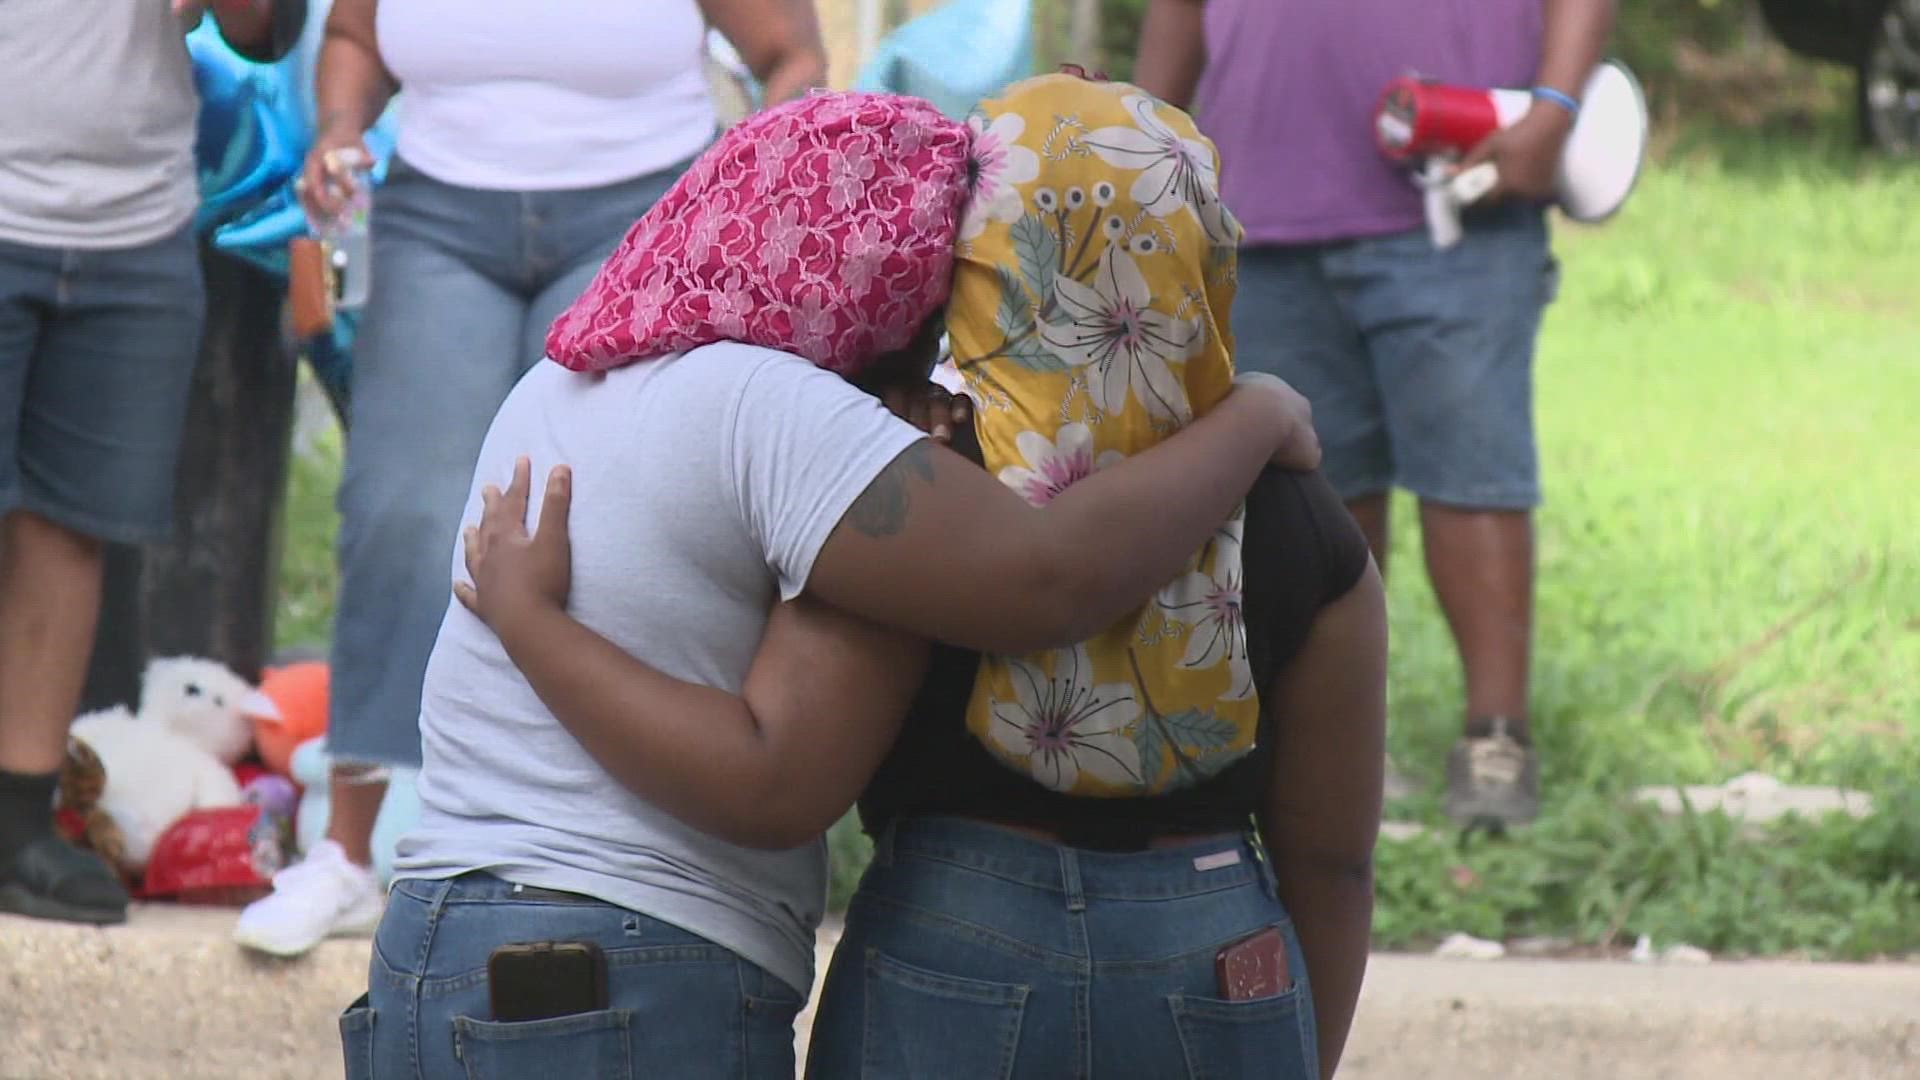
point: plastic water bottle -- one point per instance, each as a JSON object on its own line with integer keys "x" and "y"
{"x": 349, "y": 243}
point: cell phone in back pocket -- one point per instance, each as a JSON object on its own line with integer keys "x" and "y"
{"x": 539, "y": 980}
{"x": 1254, "y": 967}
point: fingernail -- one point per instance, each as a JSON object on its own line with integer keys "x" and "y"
{"x": 942, "y": 431}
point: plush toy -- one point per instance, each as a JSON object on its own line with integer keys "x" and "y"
{"x": 175, "y": 755}
{"x": 80, "y": 819}
{"x": 298, "y": 693}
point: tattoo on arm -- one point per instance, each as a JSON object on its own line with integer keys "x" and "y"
{"x": 881, "y": 510}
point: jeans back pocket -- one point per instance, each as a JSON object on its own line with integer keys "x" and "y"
{"x": 356, "y": 1039}
{"x": 589, "y": 1045}
{"x": 921, "y": 1023}
{"x": 1228, "y": 1040}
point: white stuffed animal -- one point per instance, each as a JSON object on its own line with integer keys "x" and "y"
{"x": 173, "y": 757}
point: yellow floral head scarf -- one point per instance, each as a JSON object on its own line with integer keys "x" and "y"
{"x": 1089, "y": 319}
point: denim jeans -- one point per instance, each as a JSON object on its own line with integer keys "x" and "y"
{"x": 1418, "y": 362}
{"x": 465, "y": 284}
{"x": 977, "y": 953}
{"x": 97, "y": 351}
{"x": 678, "y": 1005}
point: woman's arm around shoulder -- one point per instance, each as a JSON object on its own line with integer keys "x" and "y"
{"x": 779, "y": 40}
{"x": 938, "y": 547}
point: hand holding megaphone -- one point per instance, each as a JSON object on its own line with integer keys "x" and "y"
{"x": 1469, "y": 145}
{"x": 1524, "y": 159}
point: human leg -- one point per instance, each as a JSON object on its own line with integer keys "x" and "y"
{"x": 1481, "y": 563}
{"x": 97, "y": 351}
{"x": 1451, "y": 338}
{"x": 437, "y": 352}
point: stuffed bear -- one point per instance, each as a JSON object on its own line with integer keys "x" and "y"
{"x": 83, "y": 779}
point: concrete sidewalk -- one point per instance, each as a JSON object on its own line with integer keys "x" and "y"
{"x": 169, "y": 996}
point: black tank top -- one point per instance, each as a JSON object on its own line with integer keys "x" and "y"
{"x": 1302, "y": 551}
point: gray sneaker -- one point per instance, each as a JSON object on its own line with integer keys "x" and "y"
{"x": 1493, "y": 781}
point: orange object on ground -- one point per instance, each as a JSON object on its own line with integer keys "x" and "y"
{"x": 299, "y": 692}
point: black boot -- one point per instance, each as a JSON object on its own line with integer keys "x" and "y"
{"x": 41, "y": 875}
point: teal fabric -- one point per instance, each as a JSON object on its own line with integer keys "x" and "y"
{"x": 956, "y": 54}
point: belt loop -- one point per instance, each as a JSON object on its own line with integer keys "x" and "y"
{"x": 883, "y": 844}
{"x": 1070, "y": 878}
{"x": 1265, "y": 860}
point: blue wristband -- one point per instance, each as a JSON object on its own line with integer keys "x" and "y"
{"x": 1565, "y": 101}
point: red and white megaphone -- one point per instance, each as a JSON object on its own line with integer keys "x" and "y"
{"x": 1432, "y": 125}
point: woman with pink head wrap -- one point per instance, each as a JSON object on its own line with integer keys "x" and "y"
{"x": 595, "y": 718}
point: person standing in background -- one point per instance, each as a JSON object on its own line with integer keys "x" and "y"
{"x": 101, "y": 308}
{"x": 531, "y": 135}
{"x": 1418, "y": 362}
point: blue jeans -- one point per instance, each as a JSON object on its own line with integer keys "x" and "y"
{"x": 679, "y": 1005}
{"x": 97, "y": 351}
{"x": 977, "y": 953}
{"x": 465, "y": 284}
{"x": 1418, "y": 362}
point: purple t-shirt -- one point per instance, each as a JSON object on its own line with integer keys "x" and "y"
{"x": 1290, "y": 88}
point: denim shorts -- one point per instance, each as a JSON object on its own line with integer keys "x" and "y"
{"x": 1418, "y": 362}
{"x": 97, "y": 353}
{"x": 465, "y": 284}
{"x": 974, "y": 951}
{"x": 678, "y": 1005}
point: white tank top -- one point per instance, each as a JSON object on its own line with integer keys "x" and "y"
{"x": 542, "y": 95}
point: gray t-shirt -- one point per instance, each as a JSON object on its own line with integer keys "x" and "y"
{"x": 704, "y": 487}
{"x": 96, "y": 141}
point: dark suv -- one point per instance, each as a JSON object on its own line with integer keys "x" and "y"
{"x": 1880, "y": 39}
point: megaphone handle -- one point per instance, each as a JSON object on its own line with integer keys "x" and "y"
{"x": 1442, "y": 209}
{"x": 1443, "y": 221}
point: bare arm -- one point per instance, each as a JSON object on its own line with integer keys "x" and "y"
{"x": 771, "y": 767}
{"x": 351, "y": 84}
{"x": 1527, "y": 154}
{"x": 351, "y": 87}
{"x": 1324, "y": 812}
{"x": 1173, "y": 50}
{"x": 779, "y": 40}
{"x": 1013, "y": 578}
{"x": 1576, "y": 36}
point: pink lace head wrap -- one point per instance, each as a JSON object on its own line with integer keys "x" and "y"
{"x": 824, "y": 227}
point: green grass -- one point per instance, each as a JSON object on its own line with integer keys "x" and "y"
{"x": 1729, "y": 557}
{"x": 1729, "y": 413}
{"x": 307, "y": 573}
{"x": 1729, "y": 569}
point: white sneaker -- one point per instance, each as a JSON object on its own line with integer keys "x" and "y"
{"x": 322, "y": 896}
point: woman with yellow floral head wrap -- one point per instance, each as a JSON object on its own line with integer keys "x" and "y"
{"x": 1065, "y": 881}
{"x": 1089, "y": 319}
